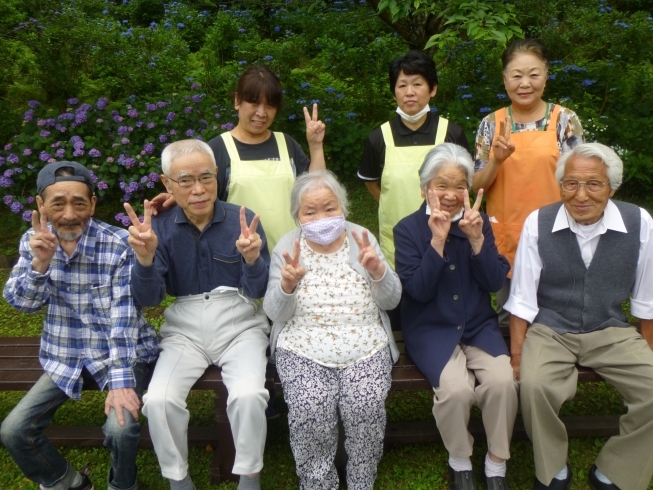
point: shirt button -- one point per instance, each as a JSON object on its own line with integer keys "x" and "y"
{"x": 206, "y": 296}
{"x": 68, "y": 289}
{"x": 452, "y": 267}
{"x": 455, "y": 297}
{"x": 459, "y": 327}
{"x": 414, "y": 142}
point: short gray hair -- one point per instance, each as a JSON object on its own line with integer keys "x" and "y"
{"x": 181, "y": 148}
{"x": 322, "y": 179}
{"x": 445, "y": 155}
{"x": 615, "y": 167}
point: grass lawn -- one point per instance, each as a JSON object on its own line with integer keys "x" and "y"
{"x": 414, "y": 467}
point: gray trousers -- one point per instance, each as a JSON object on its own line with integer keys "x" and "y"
{"x": 229, "y": 331}
{"x": 549, "y": 377}
{"x": 315, "y": 394}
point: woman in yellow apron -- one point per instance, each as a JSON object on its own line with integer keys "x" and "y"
{"x": 257, "y": 167}
{"x": 517, "y": 148}
{"x": 395, "y": 151}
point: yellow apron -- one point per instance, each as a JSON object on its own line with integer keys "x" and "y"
{"x": 400, "y": 191}
{"x": 263, "y": 186}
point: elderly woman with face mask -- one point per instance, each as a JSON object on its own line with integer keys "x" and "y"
{"x": 448, "y": 265}
{"x": 329, "y": 286}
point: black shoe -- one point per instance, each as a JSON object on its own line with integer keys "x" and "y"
{"x": 86, "y": 482}
{"x": 461, "y": 480}
{"x": 596, "y": 484}
{"x": 555, "y": 483}
{"x": 496, "y": 483}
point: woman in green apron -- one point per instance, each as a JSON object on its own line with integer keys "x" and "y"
{"x": 256, "y": 166}
{"x": 395, "y": 151}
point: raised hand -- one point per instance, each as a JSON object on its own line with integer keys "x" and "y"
{"x": 43, "y": 242}
{"x": 439, "y": 222}
{"x": 162, "y": 202}
{"x": 141, "y": 236}
{"x": 367, "y": 257}
{"x": 472, "y": 223}
{"x": 291, "y": 272}
{"x": 314, "y": 128}
{"x": 502, "y": 145}
{"x": 249, "y": 242}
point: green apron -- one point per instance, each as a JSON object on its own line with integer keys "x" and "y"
{"x": 400, "y": 190}
{"x": 263, "y": 186}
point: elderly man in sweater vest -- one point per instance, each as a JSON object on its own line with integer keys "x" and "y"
{"x": 578, "y": 260}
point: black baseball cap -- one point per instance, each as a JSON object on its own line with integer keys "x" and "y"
{"x": 47, "y": 175}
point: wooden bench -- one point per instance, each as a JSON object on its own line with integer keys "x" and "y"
{"x": 20, "y": 369}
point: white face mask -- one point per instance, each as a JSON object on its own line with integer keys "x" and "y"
{"x": 324, "y": 231}
{"x": 413, "y": 119}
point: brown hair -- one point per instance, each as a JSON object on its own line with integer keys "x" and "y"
{"x": 530, "y": 46}
{"x": 259, "y": 82}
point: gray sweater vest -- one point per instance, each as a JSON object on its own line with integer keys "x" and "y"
{"x": 576, "y": 299}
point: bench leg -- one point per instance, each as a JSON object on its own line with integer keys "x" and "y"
{"x": 225, "y": 452}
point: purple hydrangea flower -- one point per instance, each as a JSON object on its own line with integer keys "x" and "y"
{"x": 122, "y": 130}
{"x": 161, "y": 104}
{"x": 27, "y": 152}
{"x": 196, "y": 98}
{"x": 188, "y": 110}
{"x": 16, "y": 207}
{"x": 8, "y": 199}
{"x": 154, "y": 177}
{"x": 170, "y": 116}
{"x": 73, "y": 101}
{"x": 163, "y": 138}
{"x": 129, "y": 163}
{"x": 8, "y": 147}
{"x": 150, "y": 125}
{"x": 29, "y": 115}
{"x": 144, "y": 179}
{"x": 102, "y": 103}
{"x": 148, "y": 148}
{"x": 117, "y": 118}
{"x": 132, "y": 113}
{"x": 80, "y": 118}
{"x": 61, "y": 128}
{"x": 60, "y": 153}
{"x": 150, "y": 185}
{"x": 6, "y": 182}
{"x": 195, "y": 86}
{"x": 78, "y": 153}
{"x": 102, "y": 185}
{"x": 151, "y": 107}
{"x": 125, "y": 141}
{"x": 94, "y": 153}
{"x": 139, "y": 124}
{"x": 66, "y": 116}
{"x": 227, "y": 126}
{"x": 123, "y": 219}
{"x": 83, "y": 108}
{"x": 43, "y": 122}
{"x": 33, "y": 104}
{"x": 27, "y": 216}
{"x": 190, "y": 133}
{"x": 13, "y": 158}
{"x": 45, "y": 134}
{"x": 30, "y": 200}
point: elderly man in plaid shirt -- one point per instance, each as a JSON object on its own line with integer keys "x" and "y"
{"x": 79, "y": 268}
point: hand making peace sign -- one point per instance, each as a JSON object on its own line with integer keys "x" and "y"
{"x": 291, "y": 272}
{"x": 141, "y": 236}
{"x": 502, "y": 145}
{"x": 439, "y": 222}
{"x": 367, "y": 257}
{"x": 314, "y": 128}
{"x": 249, "y": 243}
{"x": 43, "y": 242}
{"x": 472, "y": 223}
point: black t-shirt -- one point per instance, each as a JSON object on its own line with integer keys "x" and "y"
{"x": 268, "y": 150}
{"x": 373, "y": 158}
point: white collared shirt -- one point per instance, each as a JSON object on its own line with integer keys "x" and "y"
{"x": 528, "y": 264}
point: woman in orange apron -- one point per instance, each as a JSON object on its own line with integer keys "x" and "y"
{"x": 517, "y": 148}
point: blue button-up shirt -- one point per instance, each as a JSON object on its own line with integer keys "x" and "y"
{"x": 91, "y": 319}
{"x": 188, "y": 261}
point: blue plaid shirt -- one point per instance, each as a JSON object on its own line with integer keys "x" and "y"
{"x": 91, "y": 319}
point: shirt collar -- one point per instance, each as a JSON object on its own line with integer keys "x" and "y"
{"x": 425, "y": 128}
{"x": 611, "y": 220}
{"x": 218, "y": 213}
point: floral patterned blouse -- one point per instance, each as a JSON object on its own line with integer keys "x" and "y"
{"x": 336, "y": 322}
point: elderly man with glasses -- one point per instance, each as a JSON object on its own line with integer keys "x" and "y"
{"x": 212, "y": 256}
{"x": 578, "y": 260}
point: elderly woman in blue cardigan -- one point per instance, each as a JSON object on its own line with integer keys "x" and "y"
{"x": 448, "y": 264}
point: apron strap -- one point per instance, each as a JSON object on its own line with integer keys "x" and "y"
{"x": 441, "y": 134}
{"x": 283, "y": 147}
{"x": 231, "y": 146}
{"x": 387, "y": 135}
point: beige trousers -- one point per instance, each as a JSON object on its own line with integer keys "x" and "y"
{"x": 548, "y": 378}
{"x": 496, "y": 396}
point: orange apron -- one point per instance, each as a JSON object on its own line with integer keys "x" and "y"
{"x": 525, "y": 182}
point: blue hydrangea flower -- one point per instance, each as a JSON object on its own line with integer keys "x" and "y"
{"x": 305, "y": 85}
{"x": 587, "y": 82}
{"x": 329, "y": 90}
{"x": 552, "y": 76}
{"x": 466, "y": 96}
{"x": 351, "y": 115}
{"x": 242, "y": 62}
{"x": 501, "y": 96}
{"x": 268, "y": 58}
{"x": 484, "y": 110}
{"x": 292, "y": 117}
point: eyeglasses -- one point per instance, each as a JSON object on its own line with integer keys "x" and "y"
{"x": 188, "y": 181}
{"x": 592, "y": 185}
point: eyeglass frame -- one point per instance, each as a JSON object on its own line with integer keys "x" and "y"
{"x": 214, "y": 177}
{"x": 583, "y": 183}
